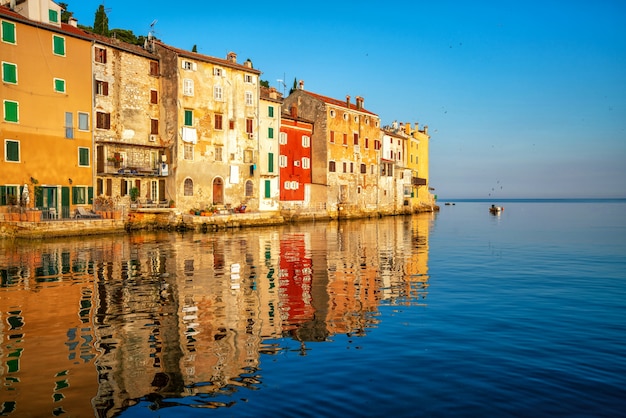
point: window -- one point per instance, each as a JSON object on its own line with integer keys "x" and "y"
{"x": 69, "y": 125}
{"x": 11, "y": 151}
{"x": 188, "y": 152}
{"x": 53, "y": 16}
{"x": 154, "y": 126}
{"x": 79, "y": 195}
{"x": 270, "y": 111}
{"x": 217, "y": 93}
{"x": 217, "y": 121}
{"x": 188, "y": 117}
{"x": 332, "y": 113}
{"x": 9, "y": 73}
{"x": 217, "y": 72}
{"x": 154, "y": 68}
{"x": 102, "y": 88}
{"x": 8, "y": 195}
{"x": 59, "y": 85}
{"x": 188, "y": 65}
{"x": 247, "y": 78}
{"x": 331, "y": 166}
{"x": 58, "y": 45}
{"x": 249, "y": 125}
{"x": 352, "y": 167}
{"x": 282, "y": 138}
{"x": 306, "y": 163}
{"x": 154, "y": 97}
{"x": 103, "y": 120}
{"x": 188, "y": 87}
{"x": 219, "y": 153}
{"x": 83, "y": 157}
{"x": 11, "y": 111}
{"x": 83, "y": 121}
{"x": 270, "y": 162}
{"x": 8, "y": 32}
{"x": 376, "y": 144}
{"x": 345, "y": 116}
{"x": 367, "y": 142}
{"x": 188, "y": 187}
{"x": 363, "y": 169}
{"x": 282, "y": 161}
{"x": 249, "y": 98}
{"x": 345, "y": 139}
{"x": 100, "y": 55}
{"x": 306, "y": 141}
{"x": 270, "y": 133}
{"x": 268, "y": 191}
{"x": 356, "y": 139}
{"x": 332, "y": 137}
{"x": 249, "y": 188}
{"x": 345, "y": 167}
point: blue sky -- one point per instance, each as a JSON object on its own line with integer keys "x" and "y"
{"x": 522, "y": 98}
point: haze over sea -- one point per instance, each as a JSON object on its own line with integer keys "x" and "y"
{"x": 520, "y": 314}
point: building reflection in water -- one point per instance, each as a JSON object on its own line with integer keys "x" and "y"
{"x": 93, "y": 326}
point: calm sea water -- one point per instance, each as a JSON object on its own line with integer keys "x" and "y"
{"x": 459, "y": 313}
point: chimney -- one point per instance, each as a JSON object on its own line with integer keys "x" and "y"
{"x": 348, "y": 102}
{"x": 248, "y": 63}
{"x": 359, "y": 102}
{"x": 426, "y": 129}
{"x": 407, "y": 128}
{"x": 301, "y": 84}
{"x": 294, "y": 111}
{"x": 273, "y": 94}
{"x": 73, "y": 22}
{"x": 232, "y": 57}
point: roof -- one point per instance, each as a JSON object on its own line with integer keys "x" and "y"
{"x": 76, "y": 32}
{"x": 337, "y": 103}
{"x": 206, "y": 58}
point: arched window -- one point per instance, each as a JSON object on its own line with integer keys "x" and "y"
{"x": 188, "y": 187}
{"x": 249, "y": 188}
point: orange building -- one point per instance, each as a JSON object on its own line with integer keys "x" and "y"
{"x": 46, "y": 110}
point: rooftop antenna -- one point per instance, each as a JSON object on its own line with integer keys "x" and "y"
{"x": 283, "y": 83}
{"x": 151, "y": 32}
{"x": 149, "y": 42}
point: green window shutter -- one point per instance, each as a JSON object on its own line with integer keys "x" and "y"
{"x": 59, "y": 85}
{"x": 8, "y": 32}
{"x": 270, "y": 162}
{"x": 270, "y": 111}
{"x": 270, "y": 133}
{"x": 11, "y": 111}
{"x": 74, "y": 195}
{"x": 83, "y": 157}
{"x": 9, "y": 73}
{"x": 188, "y": 118}
{"x": 90, "y": 195}
{"x": 13, "y": 151}
{"x": 53, "y": 16}
{"x": 58, "y": 45}
{"x": 267, "y": 189}
{"x": 3, "y": 195}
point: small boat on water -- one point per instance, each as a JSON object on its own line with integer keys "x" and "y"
{"x": 496, "y": 209}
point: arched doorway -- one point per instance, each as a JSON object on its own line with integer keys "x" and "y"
{"x": 218, "y": 191}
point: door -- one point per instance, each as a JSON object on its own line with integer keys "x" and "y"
{"x": 65, "y": 202}
{"x": 218, "y": 191}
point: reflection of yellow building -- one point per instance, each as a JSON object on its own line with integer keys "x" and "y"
{"x": 46, "y": 116}
{"x": 47, "y": 352}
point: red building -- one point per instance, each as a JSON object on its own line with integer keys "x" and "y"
{"x": 294, "y": 157}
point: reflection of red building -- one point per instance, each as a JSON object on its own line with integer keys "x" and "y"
{"x": 295, "y": 156}
{"x": 295, "y": 281}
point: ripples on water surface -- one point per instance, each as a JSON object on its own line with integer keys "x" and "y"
{"x": 457, "y": 313}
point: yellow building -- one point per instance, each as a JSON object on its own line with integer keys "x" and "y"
{"x": 418, "y": 163}
{"x": 45, "y": 128}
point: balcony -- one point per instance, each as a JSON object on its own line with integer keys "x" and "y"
{"x": 418, "y": 181}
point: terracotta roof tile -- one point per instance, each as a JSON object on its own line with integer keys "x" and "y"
{"x": 338, "y": 103}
